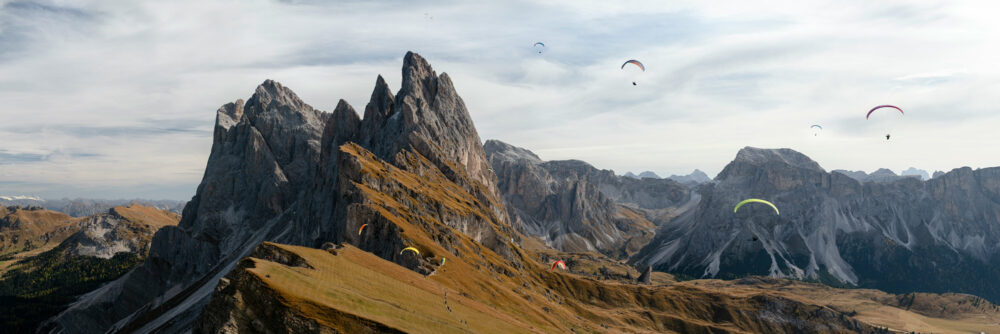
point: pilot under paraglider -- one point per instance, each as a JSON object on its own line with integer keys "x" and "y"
{"x": 887, "y": 136}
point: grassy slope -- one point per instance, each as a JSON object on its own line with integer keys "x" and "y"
{"x": 26, "y": 230}
{"x": 917, "y": 312}
{"x": 363, "y": 285}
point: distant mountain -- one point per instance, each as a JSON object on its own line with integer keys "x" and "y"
{"x": 897, "y": 234}
{"x": 883, "y": 175}
{"x": 937, "y": 173}
{"x": 21, "y": 198}
{"x": 46, "y": 278}
{"x": 648, "y": 174}
{"x": 922, "y": 174}
{"x": 695, "y": 178}
{"x": 82, "y": 207}
{"x": 575, "y": 207}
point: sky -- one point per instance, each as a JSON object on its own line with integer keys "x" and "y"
{"x": 117, "y": 99}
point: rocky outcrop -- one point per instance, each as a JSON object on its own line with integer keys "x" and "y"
{"x": 900, "y": 236}
{"x": 573, "y": 206}
{"x": 281, "y": 170}
{"x": 121, "y": 229}
{"x": 646, "y": 276}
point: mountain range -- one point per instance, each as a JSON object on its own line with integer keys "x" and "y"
{"x": 897, "y": 234}
{"x": 403, "y": 221}
{"x": 82, "y": 207}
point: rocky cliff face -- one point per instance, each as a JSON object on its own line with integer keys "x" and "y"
{"x": 902, "y": 235}
{"x": 575, "y": 207}
{"x": 281, "y": 170}
{"x": 121, "y": 229}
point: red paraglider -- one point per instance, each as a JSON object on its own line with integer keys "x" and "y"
{"x": 883, "y": 106}
{"x": 560, "y": 264}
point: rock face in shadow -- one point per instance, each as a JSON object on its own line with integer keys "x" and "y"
{"x": 281, "y": 170}
{"x": 575, "y": 207}
{"x": 899, "y": 236}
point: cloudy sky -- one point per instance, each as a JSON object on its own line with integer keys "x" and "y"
{"x": 117, "y": 99}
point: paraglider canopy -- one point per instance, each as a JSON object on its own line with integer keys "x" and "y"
{"x": 754, "y": 200}
{"x": 816, "y": 126}
{"x": 559, "y": 264}
{"x": 539, "y": 46}
{"x": 410, "y": 249}
{"x": 361, "y": 229}
{"x": 883, "y": 106}
{"x": 636, "y": 63}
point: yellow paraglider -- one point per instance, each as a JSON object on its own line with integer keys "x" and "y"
{"x": 410, "y": 249}
{"x": 442, "y": 261}
{"x": 754, "y": 200}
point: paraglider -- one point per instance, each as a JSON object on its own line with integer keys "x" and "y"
{"x": 816, "y": 126}
{"x": 867, "y": 116}
{"x": 637, "y": 64}
{"x": 754, "y": 200}
{"x": 409, "y": 249}
{"x": 539, "y": 46}
{"x": 883, "y": 106}
{"x": 442, "y": 261}
{"x": 362, "y": 229}
{"x": 560, "y": 264}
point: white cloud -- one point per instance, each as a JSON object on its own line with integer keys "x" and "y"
{"x": 117, "y": 99}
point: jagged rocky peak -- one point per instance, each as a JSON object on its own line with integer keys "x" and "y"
{"x": 428, "y": 116}
{"x": 496, "y": 149}
{"x": 229, "y": 114}
{"x": 760, "y": 156}
{"x": 271, "y": 94}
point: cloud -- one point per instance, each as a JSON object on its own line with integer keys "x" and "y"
{"x": 136, "y": 83}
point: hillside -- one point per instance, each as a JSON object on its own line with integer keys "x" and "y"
{"x": 24, "y": 229}
{"x": 37, "y": 285}
{"x": 345, "y": 289}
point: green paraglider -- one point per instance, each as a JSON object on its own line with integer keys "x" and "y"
{"x": 755, "y": 200}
